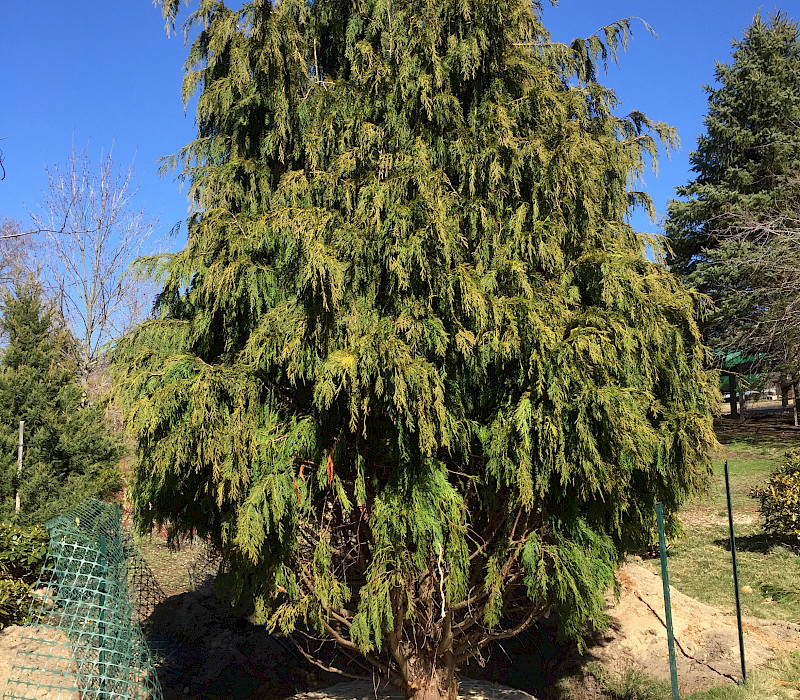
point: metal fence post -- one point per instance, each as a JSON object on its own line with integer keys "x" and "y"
{"x": 662, "y": 545}
{"x": 735, "y": 573}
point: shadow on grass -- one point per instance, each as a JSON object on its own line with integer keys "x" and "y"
{"x": 759, "y": 543}
{"x": 780, "y": 595}
{"x": 758, "y": 430}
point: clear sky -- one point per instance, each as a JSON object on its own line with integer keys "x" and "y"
{"x": 103, "y": 72}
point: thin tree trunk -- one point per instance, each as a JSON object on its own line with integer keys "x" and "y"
{"x": 733, "y": 387}
{"x": 742, "y": 401}
{"x": 796, "y": 390}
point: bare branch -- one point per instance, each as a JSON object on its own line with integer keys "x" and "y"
{"x": 91, "y": 230}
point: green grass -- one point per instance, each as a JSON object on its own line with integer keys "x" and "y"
{"x": 631, "y": 685}
{"x": 778, "y": 680}
{"x": 700, "y": 563}
{"x": 700, "y": 567}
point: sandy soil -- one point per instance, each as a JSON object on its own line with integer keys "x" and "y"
{"x": 468, "y": 690}
{"x": 23, "y": 649}
{"x": 206, "y": 651}
{"x": 706, "y": 641}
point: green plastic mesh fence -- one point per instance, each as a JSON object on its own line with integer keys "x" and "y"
{"x": 84, "y": 638}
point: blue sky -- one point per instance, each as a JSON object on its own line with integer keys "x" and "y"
{"x": 103, "y": 72}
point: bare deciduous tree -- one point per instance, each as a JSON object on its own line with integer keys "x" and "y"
{"x": 91, "y": 230}
{"x": 14, "y": 251}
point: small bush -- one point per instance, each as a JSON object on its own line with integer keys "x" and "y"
{"x": 22, "y": 551}
{"x": 779, "y": 500}
{"x": 15, "y": 600}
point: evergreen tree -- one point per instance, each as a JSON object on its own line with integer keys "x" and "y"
{"x": 413, "y": 372}
{"x": 746, "y": 167}
{"x": 69, "y": 452}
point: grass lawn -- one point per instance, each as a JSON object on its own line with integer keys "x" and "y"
{"x": 700, "y": 563}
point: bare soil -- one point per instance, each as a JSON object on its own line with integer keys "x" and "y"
{"x": 468, "y": 690}
{"x": 772, "y": 424}
{"x": 706, "y": 641}
{"x": 206, "y": 651}
{"x": 23, "y": 649}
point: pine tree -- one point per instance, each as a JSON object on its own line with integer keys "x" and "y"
{"x": 746, "y": 167}
{"x": 413, "y": 372}
{"x": 69, "y": 452}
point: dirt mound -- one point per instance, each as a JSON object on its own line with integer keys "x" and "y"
{"x": 706, "y": 641}
{"x": 468, "y": 690}
{"x": 24, "y": 646}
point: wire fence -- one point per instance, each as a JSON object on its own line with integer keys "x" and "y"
{"x": 84, "y": 638}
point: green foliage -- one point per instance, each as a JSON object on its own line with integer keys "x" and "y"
{"x": 22, "y": 550}
{"x": 15, "y": 601}
{"x": 630, "y": 685}
{"x": 22, "y": 553}
{"x": 69, "y": 452}
{"x": 413, "y": 372}
{"x": 746, "y": 166}
{"x": 779, "y": 499}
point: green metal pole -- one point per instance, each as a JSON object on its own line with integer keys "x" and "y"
{"x": 735, "y": 573}
{"x": 101, "y": 628}
{"x": 662, "y": 545}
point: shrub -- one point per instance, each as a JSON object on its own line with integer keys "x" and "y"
{"x": 779, "y": 500}
{"x": 15, "y": 599}
{"x": 22, "y": 553}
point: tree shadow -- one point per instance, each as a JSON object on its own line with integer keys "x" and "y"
{"x": 759, "y": 543}
{"x": 539, "y": 659}
{"x": 758, "y": 430}
{"x": 780, "y": 595}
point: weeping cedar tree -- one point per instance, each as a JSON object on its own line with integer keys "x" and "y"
{"x": 728, "y": 233}
{"x": 69, "y": 453}
{"x": 413, "y": 372}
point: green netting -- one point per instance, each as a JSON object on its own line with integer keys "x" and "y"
{"x": 84, "y": 637}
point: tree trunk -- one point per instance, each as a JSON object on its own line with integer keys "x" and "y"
{"x": 784, "y": 396}
{"x": 796, "y": 390}
{"x": 733, "y": 388}
{"x": 438, "y": 684}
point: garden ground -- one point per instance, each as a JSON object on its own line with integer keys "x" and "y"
{"x": 616, "y": 661}
{"x": 211, "y": 652}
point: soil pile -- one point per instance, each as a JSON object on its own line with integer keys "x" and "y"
{"x": 468, "y": 690}
{"x": 203, "y": 650}
{"x": 706, "y": 640}
{"x": 27, "y": 646}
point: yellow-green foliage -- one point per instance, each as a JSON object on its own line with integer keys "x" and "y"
{"x": 22, "y": 550}
{"x": 22, "y": 553}
{"x": 15, "y": 600}
{"x": 413, "y": 371}
{"x": 779, "y": 499}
